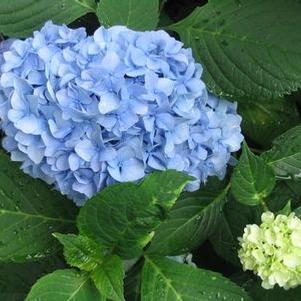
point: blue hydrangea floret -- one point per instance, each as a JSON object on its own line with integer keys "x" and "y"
{"x": 82, "y": 112}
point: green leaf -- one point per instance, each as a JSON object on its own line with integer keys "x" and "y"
{"x": 132, "y": 282}
{"x": 191, "y": 221}
{"x": 285, "y": 155}
{"x": 252, "y": 180}
{"x": 298, "y": 212}
{"x": 16, "y": 279}
{"x": 19, "y": 18}
{"x": 165, "y": 279}
{"x": 80, "y": 251}
{"x": 279, "y": 197}
{"x": 64, "y": 285}
{"x": 89, "y": 4}
{"x": 29, "y": 212}
{"x": 108, "y": 278}
{"x": 286, "y": 210}
{"x": 234, "y": 218}
{"x": 122, "y": 216}
{"x": 260, "y": 294}
{"x": 135, "y": 14}
{"x": 264, "y": 121}
{"x": 295, "y": 187}
{"x": 225, "y": 242}
{"x": 248, "y": 50}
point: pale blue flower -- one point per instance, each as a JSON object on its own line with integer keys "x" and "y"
{"x": 83, "y": 112}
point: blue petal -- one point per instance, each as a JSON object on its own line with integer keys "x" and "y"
{"x": 36, "y": 154}
{"x": 165, "y": 85}
{"x": 28, "y": 124}
{"x": 108, "y": 103}
{"x": 74, "y": 161}
{"x": 85, "y": 149}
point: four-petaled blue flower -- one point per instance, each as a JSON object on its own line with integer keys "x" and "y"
{"x": 82, "y": 112}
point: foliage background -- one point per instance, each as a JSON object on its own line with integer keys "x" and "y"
{"x": 251, "y": 53}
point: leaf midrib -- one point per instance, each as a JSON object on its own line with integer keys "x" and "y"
{"x": 167, "y": 281}
{"x": 28, "y": 215}
{"x": 79, "y": 287}
{"x": 284, "y": 158}
{"x": 74, "y": 293}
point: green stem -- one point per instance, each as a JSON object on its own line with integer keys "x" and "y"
{"x": 264, "y": 205}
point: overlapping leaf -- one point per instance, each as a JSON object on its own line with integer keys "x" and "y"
{"x": 285, "y": 155}
{"x": 191, "y": 221}
{"x": 122, "y": 216}
{"x": 253, "y": 179}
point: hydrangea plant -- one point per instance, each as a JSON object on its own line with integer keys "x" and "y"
{"x": 123, "y": 171}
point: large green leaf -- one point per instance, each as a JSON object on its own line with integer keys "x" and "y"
{"x": 122, "y": 216}
{"x": 80, "y": 251}
{"x": 252, "y": 179}
{"x": 264, "y": 121}
{"x": 29, "y": 212}
{"x": 108, "y": 278}
{"x": 164, "y": 279}
{"x": 64, "y": 285}
{"x": 19, "y": 18}
{"x": 285, "y": 156}
{"x": 135, "y": 14}
{"x": 16, "y": 279}
{"x": 249, "y": 48}
{"x": 191, "y": 221}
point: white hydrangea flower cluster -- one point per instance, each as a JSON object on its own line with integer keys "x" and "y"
{"x": 273, "y": 250}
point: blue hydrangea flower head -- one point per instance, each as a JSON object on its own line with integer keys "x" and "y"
{"x": 82, "y": 112}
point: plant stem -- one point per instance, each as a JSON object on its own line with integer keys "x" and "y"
{"x": 264, "y": 205}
